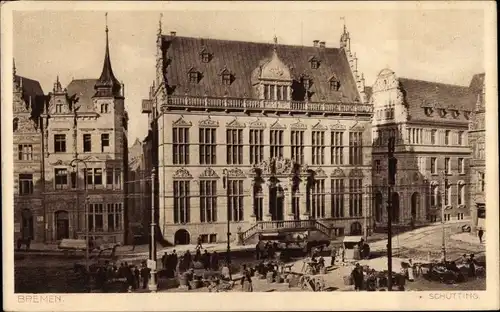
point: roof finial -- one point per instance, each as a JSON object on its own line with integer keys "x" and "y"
{"x": 14, "y": 66}
{"x": 106, "y": 17}
{"x": 342, "y": 18}
{"x": 159, "y": 23}
{"x": 275, "y": 40}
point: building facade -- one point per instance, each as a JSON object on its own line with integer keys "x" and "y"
{"x": 477, "y": 128}
{"x": 258, "y": 132}
{"x": 87, "y": 121}
{"x": 430, "y": 124}
{"x": 28, "y": 101}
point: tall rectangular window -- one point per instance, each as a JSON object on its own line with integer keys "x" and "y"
{"x": 235, "y": 200}
{"x": 461, "y": 193}
{"x": 87, "y": 142}
{"x": 208, "y": 144}
{"x": 356, "y": 198}
{"x": 434, "y": 195}
{"x": 182, "y": 202}
{"x": 318, "y": 199}
{"x": 460, "y": 138}
{"x": 297, "y": 144}
{"x": 104, "y": 141}
{"x": 25, "y": 152}
{"x": 97, "y": 177}
{"x": 447, "y": 137}
{"x": 337, "y": 148}
{"x": 447, "y": 195}
{"x": 25, "y": 184}
{"x": 433, "y": 136}
{"x": 208, "y": 201}
{"x": 115, "y": 217}
{"x": 433, "y": 165}
{"x": 61, "y": 178}
{"x": 234, "y": 146}
{"x": 109, "y": 178}
{"x": 337, "y": 198}
{"x": 118, "y": 179}
{"x": 96, "y": 218}
{"x": 258, "y": 202}
{"x": 276, "y": 143}
{"x": 180, "y": 145}
{"x": 59, "y": 143}
{"x": 256, "y": 146}
{"x": 461, "y": 166}
{"x": 447, "y": 165}
{"x": 318, "y": 147}
{"x": 482, "y": 181}
{"x": 355, "y": 148}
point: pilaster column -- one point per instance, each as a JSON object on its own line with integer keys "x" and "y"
{"x": 328, "y": 197}
{"x": 266, "y": 207}
{"x": 305, "y": 213}
{"x": 253, "y": 215}
{"x": 287, "y": 200}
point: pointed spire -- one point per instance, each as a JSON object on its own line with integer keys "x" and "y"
{"x": 14, "y": 66}
{"x": 107, "y": 84}
{"x": 57, "y": 86}
{"x": 160, "y": 24}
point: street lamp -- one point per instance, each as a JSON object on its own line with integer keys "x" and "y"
{"x": 152, "y": 281}
{"x": 226, "y": 187}
{"x": 445, "y": 193}
{"x": 73, "y": 164}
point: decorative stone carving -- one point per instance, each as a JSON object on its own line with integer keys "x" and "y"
{"x": 304, "y": 169}
{"x": 276, "y": 125}
{"x": 236, "y": 173}
{"x": 208, "y": 122}
{"x": 283, "y": 166}
{"x": 181, "y": 122}
{"x": 235, "y": 124}
{"x": 319, "y": 126}
{"x": 182, "y": 173}
{"x": 356, "y": 173}
{"x": 257, "y": 124}
{"x": 337, "y": 126}
{"x": 299, "y": 125}
{"x": 415, "y": 177}
{"x": 320, "y": 173}
{"x": 275, "y": 69}
{"x": 209, "y": 173}
{"x": 338, "y": 173}
{"x": 386, "y": 80}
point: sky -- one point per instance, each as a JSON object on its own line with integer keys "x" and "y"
{"x": 436, "y": 45}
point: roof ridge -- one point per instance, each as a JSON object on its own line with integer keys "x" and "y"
{"x": 435, "y": 82}
{"x": 254, "y": 42}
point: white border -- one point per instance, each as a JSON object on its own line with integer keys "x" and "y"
{"x": 256, "y": 301}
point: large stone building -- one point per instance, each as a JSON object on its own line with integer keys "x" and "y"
{"x": 86, "y": 120}
{"x": 430, "y": 123}
{"x": 477, "y": 128}
{"x": 28, "y": 102}
{"x": 287, "y": 125}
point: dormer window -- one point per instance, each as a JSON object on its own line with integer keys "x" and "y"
{"x": 194, "y": 76}
{"x": 226, "y": 77}
{"x": 442, "y": 112}
{"x": 104, "y": 108}
{"x": 428, "y": 111}
{"x": 334, "y": 83}
{"x": 59, "y": 107}
{"x": 455, "y": 113}
{"x": 467, "y": 115}
{"x": 314, "y": 62}
{"x": 205, "y": 55}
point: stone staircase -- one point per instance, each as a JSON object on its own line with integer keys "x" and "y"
{"x": 286, "y": 226}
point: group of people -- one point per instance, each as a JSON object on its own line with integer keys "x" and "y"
{"x": 266, "y": 250}
{"x": 173, "y": 264}
{"x": 136, "y": 277}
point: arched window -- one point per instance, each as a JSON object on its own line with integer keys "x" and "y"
{"x": 15, "y": 124}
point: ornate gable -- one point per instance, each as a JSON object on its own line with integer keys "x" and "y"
{"x": 338, "y": 126}
{"x": 182, "y": 173}
{"x": 259, "y": 124}
{"x": 236, "y": 173}
{"x": 209, "y": 173}
{"x": 320, "y": 173}
{"x": 299, "y": 125}
{"x": 235, "y": 124}
{"x": 338, "y": 173}
{"x": 319, "y": 127}
{"x": 277, "y": 125}
{"x": 275, "y": 69}
{"x": 208, "y": 122}
{"x": 181, "y": 122}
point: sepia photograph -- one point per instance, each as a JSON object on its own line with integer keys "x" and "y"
{"x": 196, "y": 148}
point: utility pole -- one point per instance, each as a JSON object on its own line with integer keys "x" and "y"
{"x": 445, "y": 194}
{"x": 225, "y": 182}
{"x": 152, "y": 281}
{"x": 392, "y": 168}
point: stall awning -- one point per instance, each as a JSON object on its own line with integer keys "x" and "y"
{"x": 352, "y": 239}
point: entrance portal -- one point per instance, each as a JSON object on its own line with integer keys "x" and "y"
{"x": 395, "y": 207}
{"x": 276, "y": 197}
{"x": 182, "y": 237}
{"x": 27, "y": 224}
{"x": 62, "y": 225}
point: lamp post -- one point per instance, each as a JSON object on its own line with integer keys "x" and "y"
{"x": 73, "y": 164}
{"x": 152, "y": 281}
{"x": 225, "y": 181}
{"x": 445, "y": 193}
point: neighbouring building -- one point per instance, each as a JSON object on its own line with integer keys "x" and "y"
{"x": 287, "y": 125}
{"x": 429, "y": 121}
{"x": 28, "y": 102}
{"x": 86, "y": 120}
{"x": 477, "y": 128}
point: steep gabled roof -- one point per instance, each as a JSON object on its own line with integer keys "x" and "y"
{"x": 83, "y": 89}
{"x": 32, "y": 88}
{"x": 476, "y": 83}
{"x": 244, "y": 58}
{"x": 419, "y": 94}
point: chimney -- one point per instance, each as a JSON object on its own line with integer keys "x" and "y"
{"x": 315, "y": 43}
{"x": 322, "y": 44}
{"x": 173, "y": 33}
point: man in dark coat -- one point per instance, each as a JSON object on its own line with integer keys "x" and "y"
{"x": 145, "y": 271}
{"x": 357, "y": 277}
{"x": 214, "y": 261}
{"x": 205, "y": 259}
{"x": 480, "y": 234}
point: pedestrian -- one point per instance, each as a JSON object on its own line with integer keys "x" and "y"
{"x": 175, "y": 260}
{"x": 214, "y": 261}
{"x": 145, "y": 272}
{"x": 198, "y": 244}
{"x": 205, "y": 259}
{"x": 246, "y": 280}
{"x": 480, "y": 234}
{"x": 137, "y": 277}
{"x": 164, "y": 259}
{"x": 472, "y": 266}
{"x": 197, "y": 256}
{"x": 357, "y": 277}
{"x": 187, "y": 259}
{"x": 343, "y": 254}
{"x": 333, "y": 254}
{"x": 411, "y": 270}
{"x": 257, "y": 250}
